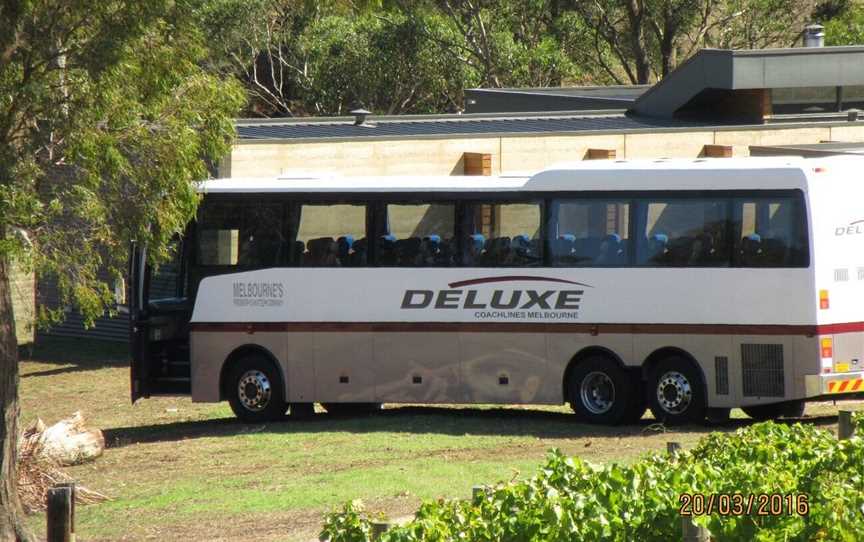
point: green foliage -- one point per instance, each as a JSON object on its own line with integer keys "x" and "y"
{"x": 571, "y": 499}
{"x": 347, "y": 525}
{"x": 108, "y": 121}
{"x": 848, "y": 27}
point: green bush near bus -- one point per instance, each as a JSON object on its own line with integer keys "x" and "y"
{"x": 820, "y": 481}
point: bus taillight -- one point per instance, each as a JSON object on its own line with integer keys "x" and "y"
{"x": 823, "y": 299}
{"x": 827, "y": 349}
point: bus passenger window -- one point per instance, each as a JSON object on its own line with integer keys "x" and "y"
{"x": 589, "y": 232}
{"x": 244, "y": 234}
{"x": 418, "y": 235}
{"x": 770, "y": 232}
{"x": 502, "y": 235}
{"x": 330, "y": 235}
{"x": 684, "y": 232}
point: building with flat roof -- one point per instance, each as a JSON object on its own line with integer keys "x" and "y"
{"x": 719, "y": 103}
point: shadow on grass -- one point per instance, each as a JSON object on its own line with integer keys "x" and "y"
{"x": 425, "y": 419}
{"x": 74, "y": 354}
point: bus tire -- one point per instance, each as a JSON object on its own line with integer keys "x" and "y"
{"x": 255, "y": 390}
{"x": 344, "y": 410}
{"x": 675, "y": 392}
{"x": 787, "y": 409}
{"x": 601, "y": 392}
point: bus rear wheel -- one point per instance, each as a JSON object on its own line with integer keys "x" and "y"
{"x": 788, "y": 409}
{"x": 351, "y": 409}
{"x": 602, "y": 392}
{"x": 676, "y": 395}
{"x": 255, "y": 391}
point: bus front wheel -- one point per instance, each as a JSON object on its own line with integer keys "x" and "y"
{"x": 255, "y": 391}
{"x": 676, "y": 395}
{"x": 602, "y": 392}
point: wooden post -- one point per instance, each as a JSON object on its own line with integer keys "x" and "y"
{"x": 379, "y": 528}
{"x": 600, "y": 154}
{"x": 690, "y": 532}
{"x": 845, "y": 429}
{"x": 717, "y": 151}
{"x": 477, "y": 493}
{"x": 59, "y": 514}
{"x": 672, "y": 448}
{"x": 477, "y": 163}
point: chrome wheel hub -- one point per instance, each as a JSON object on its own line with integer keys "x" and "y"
{"x": 674, "y": 392}
{"x": 253, "y": 390}
{"x": 597, "y": 392}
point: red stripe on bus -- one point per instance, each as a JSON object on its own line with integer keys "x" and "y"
{"x": 845, "y": 327}
{"x": 843, "y": 385}
{"x": 513, "y": 278}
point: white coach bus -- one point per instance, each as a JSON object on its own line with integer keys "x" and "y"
{"x": 687, "y": 287}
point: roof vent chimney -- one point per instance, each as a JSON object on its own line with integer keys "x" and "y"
{"x": 814, "y": 35}
{"x": 360, "y": 117}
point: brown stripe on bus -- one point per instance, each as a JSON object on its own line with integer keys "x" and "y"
{"x": 538, "y": 327}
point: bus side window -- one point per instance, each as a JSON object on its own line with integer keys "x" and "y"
{"x": 589, "y": 232}
{"x": 249, "y": 235}
{"x": 329, "y": 235}
{"x": 684, "y": 232}
{"x": 770, "y": 232}
{"x": 418, "y": 234}
{"x": 502, "y": 234}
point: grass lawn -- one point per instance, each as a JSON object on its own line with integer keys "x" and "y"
{"x": 177, "y": 471}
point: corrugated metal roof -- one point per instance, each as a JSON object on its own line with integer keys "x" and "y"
{"x": 451, "y": 125}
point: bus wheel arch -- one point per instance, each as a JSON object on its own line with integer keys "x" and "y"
{"x": 254, "y": 367}
{"x": 601, "y": 389}
{"x": 678, "y": 371}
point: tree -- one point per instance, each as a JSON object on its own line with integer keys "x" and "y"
{"x": 106, "y": 119}
{"x": 845, "y": 26}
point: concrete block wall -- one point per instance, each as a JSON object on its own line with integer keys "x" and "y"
{"x": 510, "y": 154}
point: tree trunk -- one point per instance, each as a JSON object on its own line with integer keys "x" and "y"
{"x": 11, "y": 513}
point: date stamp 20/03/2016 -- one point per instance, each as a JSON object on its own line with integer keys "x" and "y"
{"x": 741, "y": 504}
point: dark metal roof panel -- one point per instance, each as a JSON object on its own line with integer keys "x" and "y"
{"x": 452, "y": 127}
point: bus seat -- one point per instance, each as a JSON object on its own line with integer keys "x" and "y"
{"x": 679, "y": 251}
{"x": 610, "y": 250}
{"x": 386, "y": 250}
{"x": 359, "y": 252}
{"x": 446, "y": 252}
{"x": 430, "y": 250}
{"x": 408, "y": 251}
{"x": 702, "y": 250}
{"x": 775, "y": 251}
{"x": 297, "y": 252}
{"x": 322, "y": 252}
{"x": 474, "y": 249}
{"x": 563, "y": 249}
{"x": 498, "y": 251}
{"x": 344, "y": 249}
{"x": 657, "y": 248}
{"x": 524, "y": 251}
{"x": 751, "y": 249}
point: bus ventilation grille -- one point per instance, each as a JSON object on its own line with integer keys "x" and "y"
{"x": 841, "y": 275}
{"x": 861, "y": 273}
{"x": 721, "y": 375}
{"x": 762, "y": 370}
